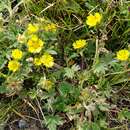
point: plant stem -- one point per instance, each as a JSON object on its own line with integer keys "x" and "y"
{"x": 96, "y": 53}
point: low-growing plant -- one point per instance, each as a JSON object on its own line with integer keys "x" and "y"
{"x": 65, "y": 64}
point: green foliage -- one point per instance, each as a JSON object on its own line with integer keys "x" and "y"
{"x": 124, "y": 114}
{"x": 65, "y": 88}
{"x": 100, "y": 68}
{"x": 3, "y": 89}
{"x": 82, "y": 88}
{"x": 70, "y": 72}
{"x": 52, "y": 122}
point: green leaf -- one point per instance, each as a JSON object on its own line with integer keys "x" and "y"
{"x": 3, "y": 89}
{"x": 117, "y": 79}
{"x": 32, "y": 94}
{"x": 59, "y": 104}
{"x": 103, "y": 107}
{"x": 65, "y": 88}
{"x": 53, "y": 121}
{"x": 127, "y": 114}
{"x": 121, "y": 116}
{"x": 95, "y": 126}
{"x": 74, "y": 55}
{"x": 3, "y": 61}
{"x": 103, "y": 123}
{"x": 100, "y": 68}
{"x": 70, "y": 72}
{"x": 53, "y": 52}
{"x": 75, "y": 68}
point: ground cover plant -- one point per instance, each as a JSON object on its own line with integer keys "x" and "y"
{"x": 64, "y": 64}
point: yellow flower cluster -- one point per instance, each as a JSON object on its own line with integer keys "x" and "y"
{"x": 14, "y": 65}
{"x": 35, "y": 44}
{"x": 50, "y": 27}
{"x": 47, "y": 60}
{"x": 79, "y": 44}
{"x": 123, "y": 55}
{"x": 32, "y": 28}
{"x": 93, "y": 20}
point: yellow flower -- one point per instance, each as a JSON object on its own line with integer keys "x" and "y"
{"x": 50, "y": 27}
{"x": 13, "y": 65}
{"x": 98, "y": 17}
{"x": 32, "y": 28}
{"x": 37, "y": 61}
{"x": 93, "y": 20}
{"x": 17, "y": 54}
{"x": 35, "y": 44}
{"x": 47, "y": 60}
{"x": 79, "y": 44}
{"x": 123, "y": 55}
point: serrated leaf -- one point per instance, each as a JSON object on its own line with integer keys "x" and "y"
{"x": 3, "y": 89}
{"x": 103, "y": 107}
{"x": 100, "y": 68}
{"x": 59, "y": 104}
{"x": 70, "y": 72}
{"x": 75, "y": 67}
{"x": 103, "y": 123}
{"x": 65, "y": 88}
{"x": 73, "y": 56}
{"x": 127, "y": 114}
{"x": 53, "y": 121}
{"x": 95, "y": 127}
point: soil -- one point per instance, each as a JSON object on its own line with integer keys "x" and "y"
{"x": 33, "y": 125}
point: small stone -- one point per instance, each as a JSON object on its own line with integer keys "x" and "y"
{"x": 129, "y": 126}
{"x": 22, "y": 124}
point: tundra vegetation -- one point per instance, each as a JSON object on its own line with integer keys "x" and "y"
{"x": 65, "y": 64}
